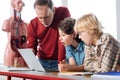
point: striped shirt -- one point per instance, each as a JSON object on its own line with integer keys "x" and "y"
{"x": 103, "y": 57}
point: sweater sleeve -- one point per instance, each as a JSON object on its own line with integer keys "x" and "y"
{"x": 61, "y": 51}
{"x": 31, "y": 38}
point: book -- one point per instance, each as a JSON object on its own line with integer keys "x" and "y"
{"x": 106, "y": 76}
{"x": 109, "y": 74}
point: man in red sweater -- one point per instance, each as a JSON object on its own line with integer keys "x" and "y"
{"x": 43, "y": 34}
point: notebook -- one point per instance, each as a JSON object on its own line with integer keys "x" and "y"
{"x": 107, "y": 76}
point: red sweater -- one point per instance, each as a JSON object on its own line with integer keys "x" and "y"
{"x": 47, "y": 38}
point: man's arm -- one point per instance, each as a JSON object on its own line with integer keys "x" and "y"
{"x": 31, "y": 37}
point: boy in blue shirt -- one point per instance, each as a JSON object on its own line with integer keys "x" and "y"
{"x": 73, "y": 45}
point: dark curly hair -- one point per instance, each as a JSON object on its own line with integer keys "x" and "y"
{"x": 67, "y": 26}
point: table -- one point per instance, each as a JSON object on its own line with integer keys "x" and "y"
{"x": 31, "y": 75}
{"x": 39, "y": 75}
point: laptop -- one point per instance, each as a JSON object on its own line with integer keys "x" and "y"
{"x": 31, "y": 60}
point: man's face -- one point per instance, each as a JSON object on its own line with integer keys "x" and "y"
{"x": 44, "y": 14}
{"x": 86, "y": 37}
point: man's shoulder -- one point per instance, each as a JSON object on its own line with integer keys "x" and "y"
{"x": 34, "y": 20}
{"x": 61, "y": 8}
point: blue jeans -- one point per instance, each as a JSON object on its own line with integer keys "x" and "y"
{"x": 49, "y": 64}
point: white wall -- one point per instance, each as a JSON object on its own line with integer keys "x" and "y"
{"x": 118, "y": 18}
{"x": 28, "y": 11}
{"x": 105, "y": 10}
{"x": 27, "y": 14}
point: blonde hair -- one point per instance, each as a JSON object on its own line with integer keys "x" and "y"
{"x": 88, "y": 22}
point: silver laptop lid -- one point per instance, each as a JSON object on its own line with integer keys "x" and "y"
{"x": 30, "y": 59}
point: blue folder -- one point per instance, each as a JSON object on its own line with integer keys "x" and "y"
{"x": 106, "y": 76}
{"x": 109, "y": 73}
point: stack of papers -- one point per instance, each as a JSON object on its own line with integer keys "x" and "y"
{"x": 6, "y": 68}
{"x": 106, "y": 76}
{"x": 75, "y": 73}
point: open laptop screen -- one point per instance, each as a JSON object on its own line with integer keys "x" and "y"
{"x": 31, "y": 59}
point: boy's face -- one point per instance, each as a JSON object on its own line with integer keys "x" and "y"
{"x": 65, "y": 38}
{"x": 44, "y": 14}
{"x": 86, "y": 37}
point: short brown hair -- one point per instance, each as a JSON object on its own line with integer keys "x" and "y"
{"x": 49, "y": 3}
{"x": 67, "y": 25}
